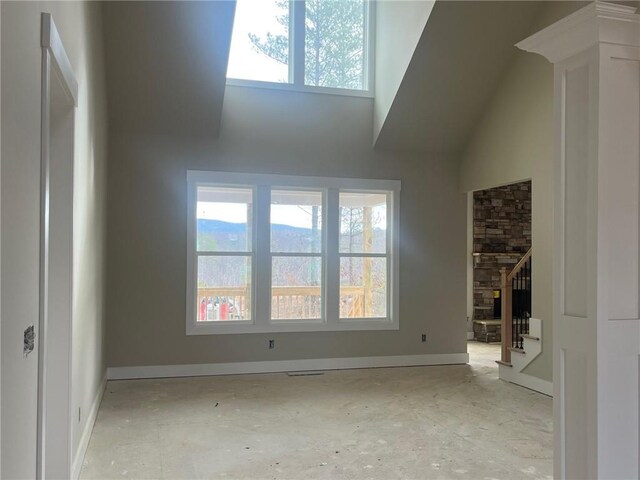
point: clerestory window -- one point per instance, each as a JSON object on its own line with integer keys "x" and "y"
{"x": 308, "y": 45}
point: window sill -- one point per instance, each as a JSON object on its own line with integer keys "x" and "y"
{"x": 223, "y": 328}
{"x": 289, "y": 87}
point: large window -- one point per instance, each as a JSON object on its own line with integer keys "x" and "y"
{"x": 277, "y": 253}
{"x": 316, "y": 45}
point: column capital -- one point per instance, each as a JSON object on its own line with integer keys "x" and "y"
{"x": 597, "y": 23}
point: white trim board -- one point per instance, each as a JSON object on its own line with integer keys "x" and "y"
{"x": 78, "y": 459}
{"x": 525, "y": 380}
{"x": 275, "y": 366}
{"x": 50, "y": 40}
{"x": 59, "y": 95}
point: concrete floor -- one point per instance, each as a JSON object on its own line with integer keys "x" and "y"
{"x": 388, "y": 423}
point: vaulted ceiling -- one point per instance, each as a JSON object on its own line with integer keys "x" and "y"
{"x": 458, "y": 62}
{"x": 166, "y": 69}
{"x": 166, "y": 65}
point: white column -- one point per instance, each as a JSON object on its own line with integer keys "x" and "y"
{"x": 596, "y": 57}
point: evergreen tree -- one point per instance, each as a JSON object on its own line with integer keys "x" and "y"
{"x": 334, "y": 42}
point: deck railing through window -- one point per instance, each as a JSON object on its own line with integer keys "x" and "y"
{"x": 233, "y": 303}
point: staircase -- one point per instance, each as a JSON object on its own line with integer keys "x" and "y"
{"x": 521, "y": 334}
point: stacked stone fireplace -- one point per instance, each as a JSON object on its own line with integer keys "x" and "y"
{"x": 501, "y": 236}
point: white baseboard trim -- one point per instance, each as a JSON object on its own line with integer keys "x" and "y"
{"x": 273, "y": 366}
{"x": 78, "y": 459}
{"x": 524, "y": 380}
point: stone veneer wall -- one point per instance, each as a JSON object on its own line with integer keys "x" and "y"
{"x": 501, "y": 234}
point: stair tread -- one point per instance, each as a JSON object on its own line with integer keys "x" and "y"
{"x": 531, "y": 337}
{"x": 506, "y": 364}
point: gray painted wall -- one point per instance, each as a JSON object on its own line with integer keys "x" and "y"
{"x": 79, "y": 27}
{"x": 173, "y": 57}
{"x": 399, "y": 26}
{"x": 455, "y": 68}
{"x": 514, "y": 142}
{"x": 268, "y": 131}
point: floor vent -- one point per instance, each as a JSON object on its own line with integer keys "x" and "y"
{"x": 305, "y": 374}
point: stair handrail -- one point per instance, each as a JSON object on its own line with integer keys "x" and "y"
{"x": 507, "y": 306}
{"x": 519, "y": 265}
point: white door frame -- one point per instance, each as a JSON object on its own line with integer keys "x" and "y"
{"x": 54, "y": 360}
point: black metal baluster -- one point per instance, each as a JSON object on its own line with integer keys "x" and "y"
{"x": 514, "y": 302}
{"x": 521, "y": 298}
{"x": 528, "y": 293}
{"x": 519, "y": 308}
{"x": 514, "y": 322}
{"x": 523, "y": 280}
{"x": 525, "y": 325}
{"x": 522, "y": 306}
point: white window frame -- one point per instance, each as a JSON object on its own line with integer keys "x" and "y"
{"x": 261, "y": 321}
{"x": 296, "y": 57}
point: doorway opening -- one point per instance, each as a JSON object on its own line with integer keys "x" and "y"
{"x": 499, "y": 239}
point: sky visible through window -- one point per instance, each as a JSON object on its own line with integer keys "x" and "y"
{"x": 237, "y": 213}
{"x": 331, "y": 43}
{"x": 256, "y": 17}
{"x": 294, "y": 216}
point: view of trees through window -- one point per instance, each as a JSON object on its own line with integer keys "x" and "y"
{"x": 225, "y": 253}
{"x": 363, "y": 255}
{"x": 334, "y": 42}
{"x": 296, "y": 249}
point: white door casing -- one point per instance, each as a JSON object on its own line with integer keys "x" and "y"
{"x": 59, "y": 99}
{"x": 596, "y": 250}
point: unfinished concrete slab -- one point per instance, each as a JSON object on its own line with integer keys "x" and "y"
{"x": 439, "y": 422}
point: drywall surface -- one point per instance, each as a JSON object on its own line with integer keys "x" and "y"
{"x": 514, "y": 142}
{"x": 79, "y": 27}
{"x": 399, "y": 26}
{"x": 176, "y": 55}
{"x": 89, "y": 233}
{"x": 269, "y": 131}
{"x": 457, "y": 65}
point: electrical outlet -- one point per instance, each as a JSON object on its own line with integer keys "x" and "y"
{"x": 424, "y": 337}
{"x": 272, "y": 344}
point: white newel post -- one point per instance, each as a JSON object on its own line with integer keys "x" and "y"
{"x": 596, "y": 342}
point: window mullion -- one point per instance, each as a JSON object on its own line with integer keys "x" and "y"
{"x": 332, "y": 258}
{"x": 393, "y": 226}
{"x": 369, "y": 45}
{"x": 262, "y": 277}
{"x": 298, "y": 33}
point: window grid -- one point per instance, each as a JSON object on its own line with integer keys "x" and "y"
{"x": 330, "y": 254}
